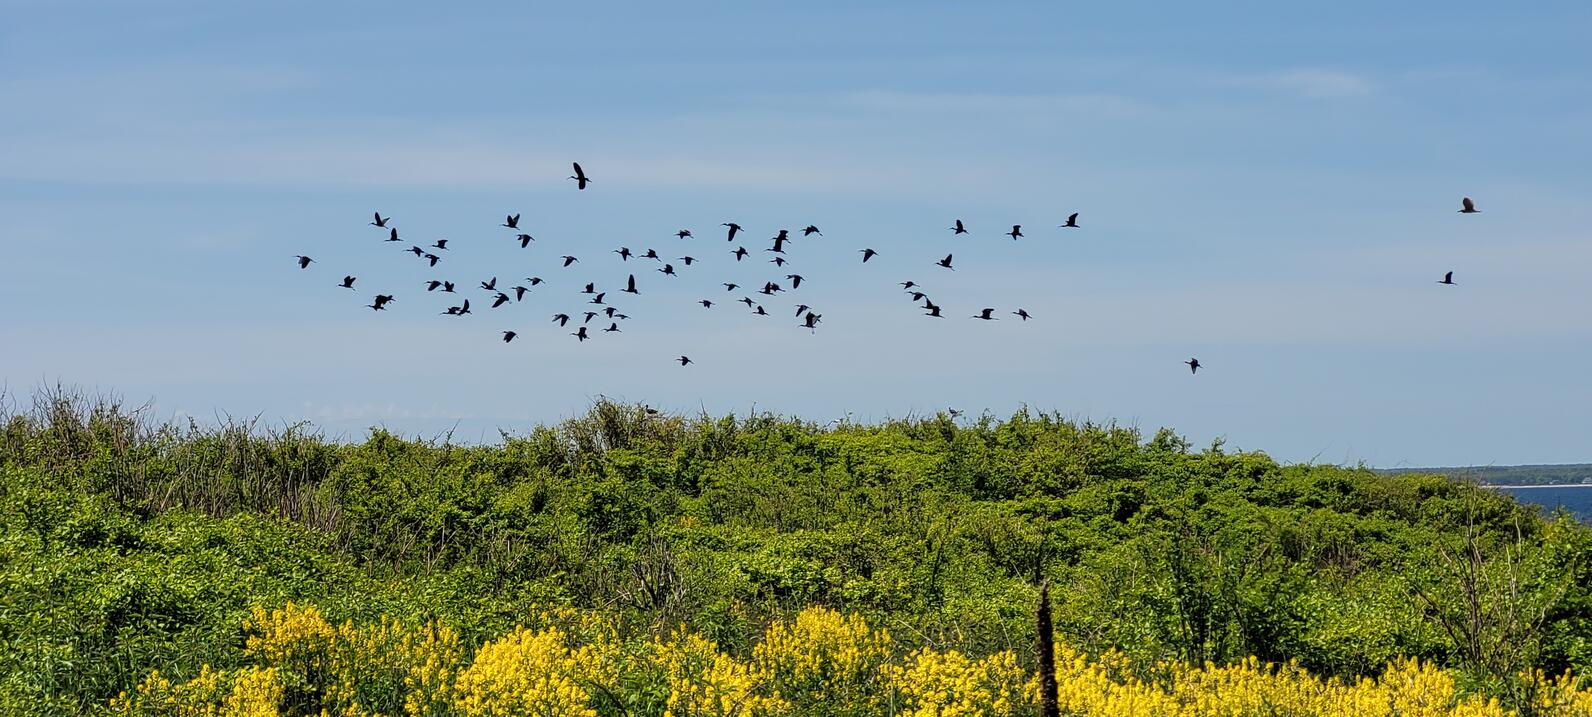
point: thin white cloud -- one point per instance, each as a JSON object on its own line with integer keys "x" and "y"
{"x": 1095, "y": 104}
{"x": 1309, "y": 83}
{"x": 399, "y": 161}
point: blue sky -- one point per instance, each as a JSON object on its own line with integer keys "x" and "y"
{"x": 1267, "y": 187}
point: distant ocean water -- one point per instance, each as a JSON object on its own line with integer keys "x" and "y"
{"x": 1576, "y": 499}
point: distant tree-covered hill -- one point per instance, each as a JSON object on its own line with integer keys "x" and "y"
{"x": 1561, "y": 474}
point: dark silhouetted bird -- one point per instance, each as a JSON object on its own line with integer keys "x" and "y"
{"x": 779, "y": 242}
{"x": 706, "y": 304}
{"x": 958, "y": 229}
{"x": 392, "y": 234}
{"x": 383, "y": 299}
{"x": 1017, "y": 231}
{"x": 1072, "y": 222}
{"x": 580, "y": 334}
{"x": 801, "y": 308}
{"x": 569, "y": 260}
{"x": 770, "y": 288}
{"x": 432, "y": 285}
{"x": 740, "y": 253}
{"x": 612, "y": 327}
{"x": 535, "y": 280}
{"x": 795, "y": 280}
{"x": 623, "y": 252}
{"x": 778, "y": 261}
{"x": 581, "y": 180}
{"x": 684, "y": 360}
{"x": 348, "y": 282}
{"x": 748, "y": 301}
{"x": 731, "y": 287}
{"x": 509, "y": 336}
{"x": 512, "y": 221}
{"x": 465, "y": 308}
{"x": 1021, "y": 313}
{"x": 668, "y": 269}
{"x": 867, "y": 254}
{"x": 500, "y": 299}
{"x": 686, "y": 260}
{"x": 946, "y": 262}
{"x": 598, "y": 299}
{"x": 377, "y": 307}
{"x": 811, "y": 230}
{"x": 985, "y": 315}
{"x": 908, "y": 284}
{"x": 417, "y": 251}
{"x": 525, "y": 240}
{"x": 955, "y": 414}
{"x": 589, "y": 316}
{"x": 652, "y": 254}
{"x": 760, "y": 312}
{"x": 561, "y": 319}
{"x": 630, "y": 285}
{"x": 1467, "y": 206}
{"x": 933, "y": 309}
{"x": 1193, "y": 365}
{"x": 733, "y": 229}
{"x": 432, "y": 259}
{"x": 490, "y": 285}
{"x": 917, "y": 295}
{"x": 1448, "y": 279}
{"x": 381, "y": 221}
{"x": 447, "y": 287}
{"x": 590, "y": 289}
{"x": 610, "y": 311}
{"x": 441, "y": 244}
{"x": 304, "y": 261}
{"x": 683, "y": 234}
{"x": 811, "y": 320}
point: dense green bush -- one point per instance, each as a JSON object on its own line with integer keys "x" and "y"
{"x": 128, "y": 545}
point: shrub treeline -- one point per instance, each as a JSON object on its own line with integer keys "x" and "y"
{"x": 131, "y": 545}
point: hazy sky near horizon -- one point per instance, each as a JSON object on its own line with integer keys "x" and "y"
{"x": 1269, "y": 187}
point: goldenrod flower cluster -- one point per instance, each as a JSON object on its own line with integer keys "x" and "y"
{"x": 248, "y": 692}
{"x": 527, "y": 673}
{"x": 821, "y": 663}
{"x": 823, "y": 653}
{"x": 951, "y": 684}
{"x": 1408, "y": 688}
{"x": 704, "y": 682}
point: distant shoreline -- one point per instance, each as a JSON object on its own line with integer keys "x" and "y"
{"x": 1522, "y": 476}
{"x": 1539, "y": 485}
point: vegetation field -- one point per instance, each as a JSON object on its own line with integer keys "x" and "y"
{"x": 631, "y": 563}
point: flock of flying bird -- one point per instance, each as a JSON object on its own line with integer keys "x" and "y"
{"x": 597, "y": 301}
